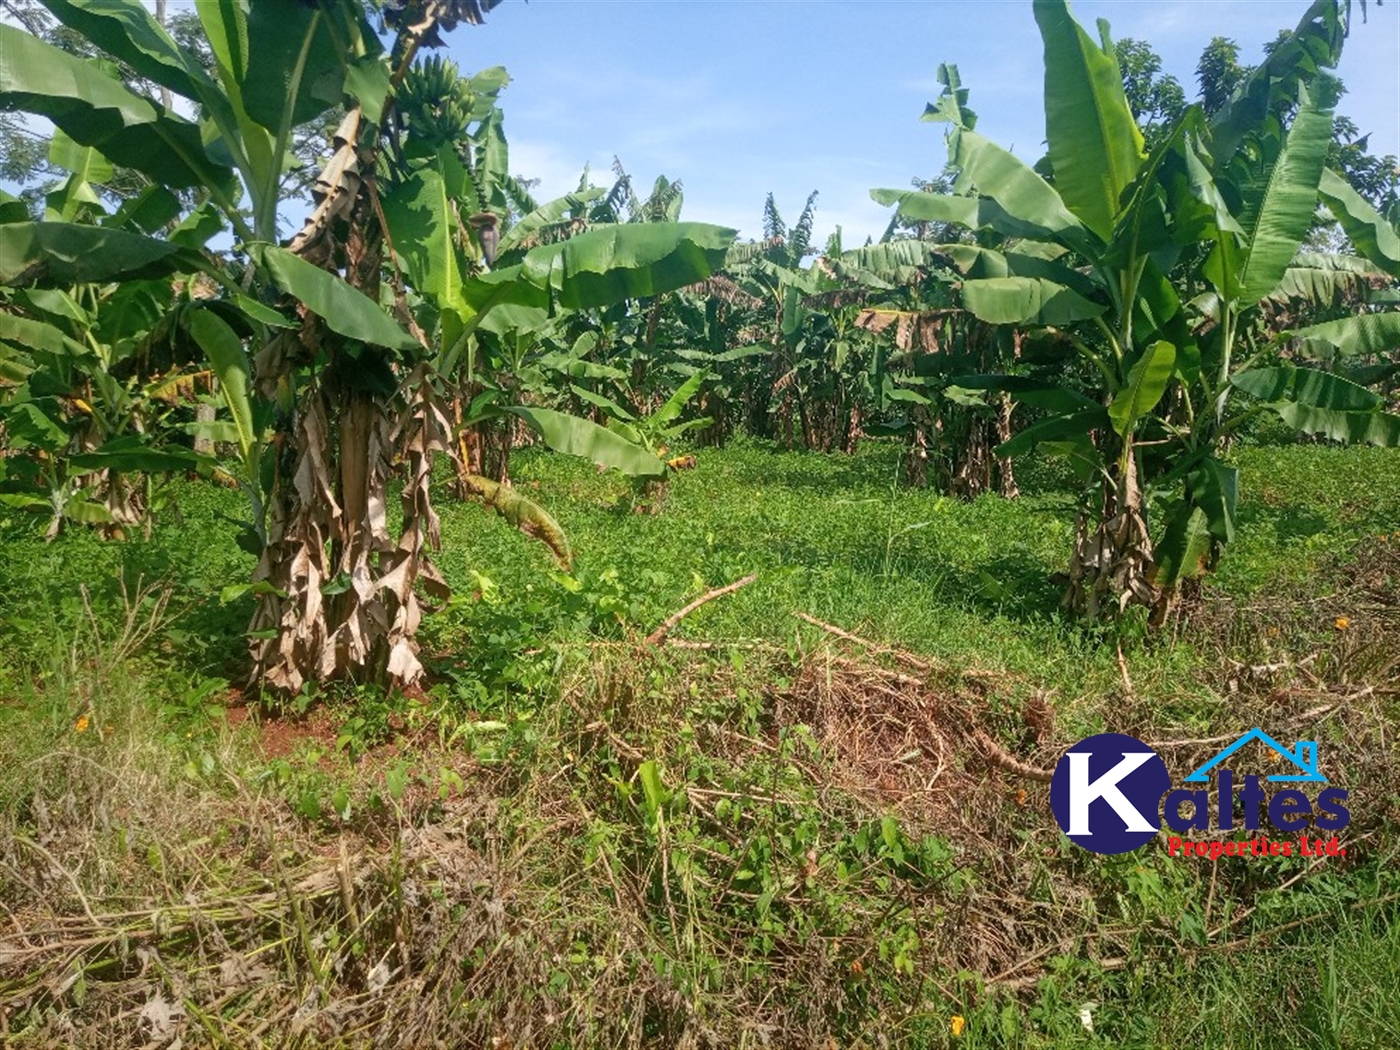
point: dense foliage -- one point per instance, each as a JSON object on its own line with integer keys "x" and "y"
{"x": 1131, "y": 302}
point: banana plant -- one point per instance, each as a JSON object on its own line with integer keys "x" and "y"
{"x": 1109, "y": 262}
{"x": 93, "y": 382}
{"x": 351, "y": 385}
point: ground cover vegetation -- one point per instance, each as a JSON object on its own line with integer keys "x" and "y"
{"x": 819, "y": 559}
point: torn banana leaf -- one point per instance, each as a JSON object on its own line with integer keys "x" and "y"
{"x": 525, "y": 514}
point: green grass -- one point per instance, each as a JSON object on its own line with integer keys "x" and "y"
{"x": 676, "y": 849}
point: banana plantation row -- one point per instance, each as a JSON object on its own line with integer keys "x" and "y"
{"x": 1129, "y": 303}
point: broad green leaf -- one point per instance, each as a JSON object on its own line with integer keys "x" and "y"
{"x": 256, "y": 311}
{"x": 86, "y": 512}
{"x": 196, "y": 228}
{"x": 959, "y": 395}
{"x": 732, "y": 354}
{"x": 794, "y": 313}
{"x": 501, "y": 286}
{"x": 56, "y": 303}
{"x": 1037, "y": 392}
{"x": 613, "y": 263}
{"x": 676, "y": 403}
{"x": 1214, "y": 488}
{"x": 1059, "y": 428}
{"x": 653, "y": 792}
{"x": 1157, "y": 314}
{"x": 580, "y": 437}
{"x": 607, "y": 404}
{"x": 35, "y": 424}
{"x": 97, "y": 110}
{"x": 83, "y": 161}
{"x": 1026, "y": 300}
{"x": 1370, "y": 375}
{"x": 1147, "y": 382}
{"x": 230, "y": 363}
{"x": 1373, "y": 428}
{"x": 368, "y": 81}
{"x": 1096, "y": 148}
{"x": 978, "y": 262}
{"x": 1198, "y": 184}
{"x": 1184, "y": 548}
{"x": 69, "y": 200}
{"x": 423, "y": 225}
{"x": 219, "y": 431}
{"x": 127, "y": 31}
{"x": 296, "y": 64}
{"x": 891, "y": 263}
{"x": 1306, "y": 386}
{"x": 225, "y": 25}
{"x": 1142, "y": 227}
{"x": 150, "y": 211}
{"x": 1284, "y": 212}
{"x": 1371, "y": 233}
{"x": 493, "y": 163}
{"x": 64, "y": 254}
{"x": 22, "y": 501}
{"x": 1084, "y": 457}
{"x": 1363, "y": 334}
{"x": 1001, "y": 175}
{"x": 951, "y": 107}
{"x": 345, "y": 309}
{"x": 1326, "y": 280}
{"x": 134, "y": 308}
{"x": 577, "y": 368}
{"x": 13, "y": 209}
{"x": 680, "y": 429}
{"x": 890, "y": 392}
{"x": 973, "y": 213}
{"x": 512, "y": 320}
{"x": 131, "y": 455}
{"x": 546, "y": 215}
{"x": 15, "y": 366}
{"x": 37, "y": 335}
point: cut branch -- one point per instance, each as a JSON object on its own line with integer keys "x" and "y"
{"x": 657, "y": 636}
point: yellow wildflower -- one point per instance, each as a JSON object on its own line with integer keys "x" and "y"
{"x": 81, "y": 725}
{"x": 1342, "y": 623}
{"x": 957, "y": 1023}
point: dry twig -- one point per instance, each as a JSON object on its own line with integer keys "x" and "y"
{"x": 657, "y": 636}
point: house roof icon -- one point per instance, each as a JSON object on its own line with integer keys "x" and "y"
{"x": 1303, "y": 755}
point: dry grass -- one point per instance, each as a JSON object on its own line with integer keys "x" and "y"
{"x": 545, "y": 905}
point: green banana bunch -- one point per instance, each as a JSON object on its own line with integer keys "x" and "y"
{"x": 436, "y": 102}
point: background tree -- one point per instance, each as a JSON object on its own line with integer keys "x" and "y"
{"x": 1219, "y": 73}
{"x": 1155, "y": 98}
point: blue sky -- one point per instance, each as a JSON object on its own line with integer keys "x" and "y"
{"x": 740, "y": 97}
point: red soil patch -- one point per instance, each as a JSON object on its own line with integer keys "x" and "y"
{"x": 281, "y": 735}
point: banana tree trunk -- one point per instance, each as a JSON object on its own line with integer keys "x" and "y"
{"x": 1110, "y": 569}
{"x": 336, "y": 591}
{"x": 337, "y": 597}
{"x": 916, "y": 451}
{"x": 1006, "y": 477}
